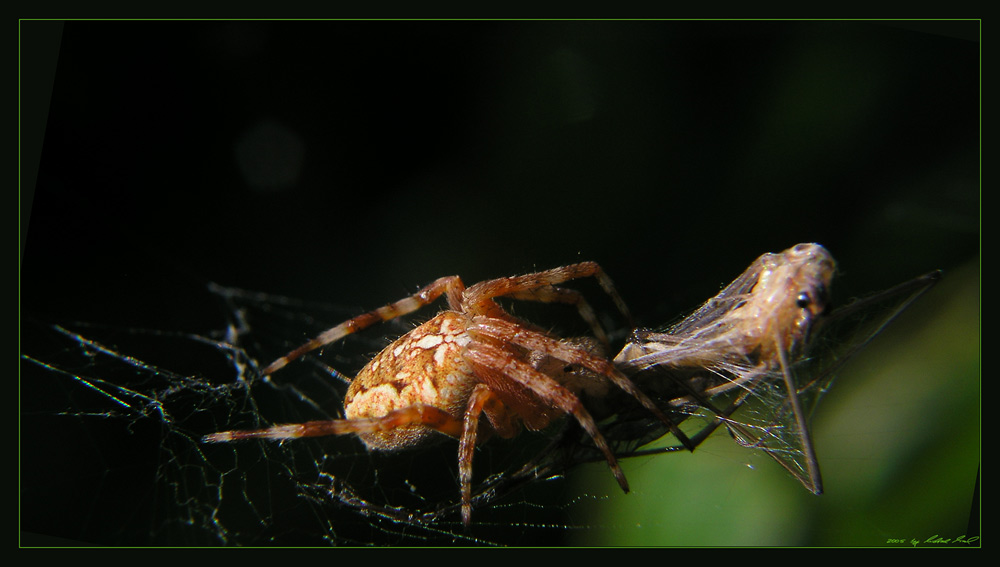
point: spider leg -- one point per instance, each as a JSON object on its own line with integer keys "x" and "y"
{"x": 417, "y": 414}
{"x": 482, "y": 400}
{"x": 553, "y": 294}
{"x": 509, "y": 332}
{"x": 548, "y": 390}
{"x": 478, "y": 298}
{"x": 450, "y": 285}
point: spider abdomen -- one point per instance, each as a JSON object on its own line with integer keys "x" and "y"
{"x": 424, "y": 367}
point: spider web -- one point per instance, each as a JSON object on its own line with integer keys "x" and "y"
{"x": 129, "y": 406}
{"x": 112, "y": 417}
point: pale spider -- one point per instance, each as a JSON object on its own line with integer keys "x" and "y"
{"x": 472, "y": 359}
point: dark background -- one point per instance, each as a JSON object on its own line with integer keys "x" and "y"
{"x": 351, "y": 162}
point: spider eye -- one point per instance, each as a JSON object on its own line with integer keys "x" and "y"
{"x": 803, "y": 300}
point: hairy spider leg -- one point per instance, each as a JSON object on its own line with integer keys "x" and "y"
{"x": 482, "y": 400}
{"x": 478, "y": 299}
{"x": 417, "y": 414}
{"x": 553, "y": 294}
{"x": 451, "y": 286}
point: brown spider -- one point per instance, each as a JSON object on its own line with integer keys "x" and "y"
{"x": 472, "y": 359}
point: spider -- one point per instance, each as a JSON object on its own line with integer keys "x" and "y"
{"x": 472, "y": 359}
